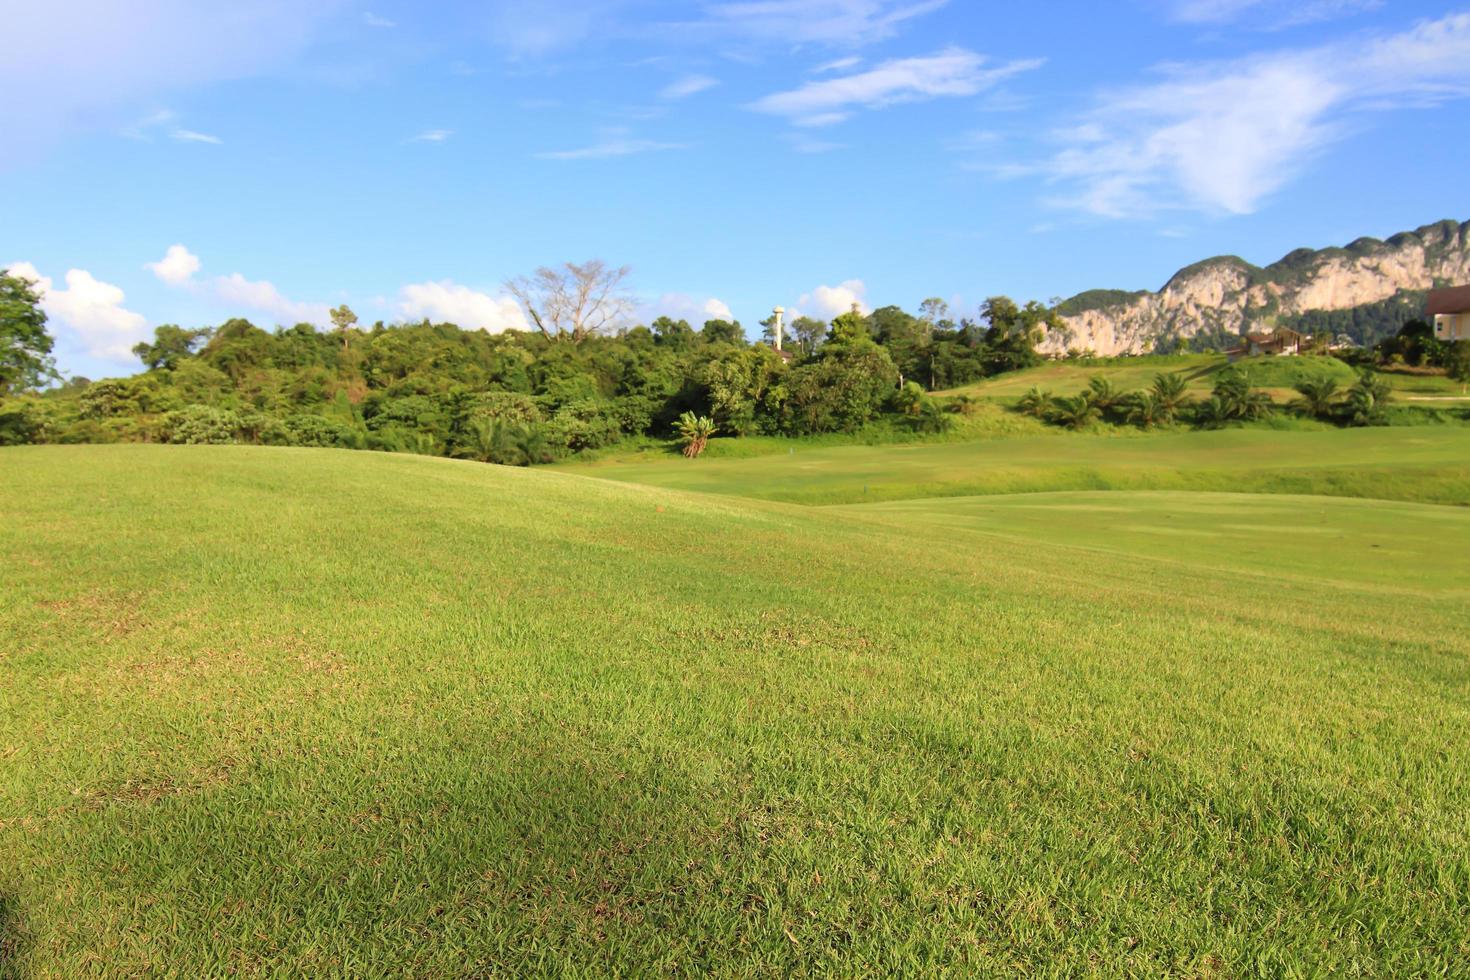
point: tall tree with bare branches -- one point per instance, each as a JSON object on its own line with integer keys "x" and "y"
{"x": 572, "y": 302}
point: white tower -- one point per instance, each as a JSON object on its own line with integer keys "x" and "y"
{"x": 780, "y": 311}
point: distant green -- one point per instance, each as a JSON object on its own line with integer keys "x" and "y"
{"x": 1416, "y": 464}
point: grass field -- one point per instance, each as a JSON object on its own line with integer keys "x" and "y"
{"x": 1416, "y": 464}
{"x": 1278, "y": 375}
{"x": 304, "y": 712}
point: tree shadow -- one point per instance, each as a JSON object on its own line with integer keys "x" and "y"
{"x": 10, "y": 940}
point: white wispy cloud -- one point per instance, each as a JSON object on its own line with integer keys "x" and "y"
{"x": 683, "y": 88}
{"x": 948, "y": 73}
{"x": 82, "y": 63}
{"x": 617, "y": 147}
{"x": 88, "y": 313}
{"x": 177, "y": 266}
{"x": 1269, "y": 13}
{"x": 261, "y": 295}
{"x": 683, "y": 306}
{"x": 449, "y": 302}
{"x": 802, "y": 143}
{"x": 375, "y": 20}
{"x": 1222, "y": 137}
{"x": 841, "y": 64}
{"x": 194, "y": 136}
{"x": 835, "y": 22}
{"x": 432, "y": 136}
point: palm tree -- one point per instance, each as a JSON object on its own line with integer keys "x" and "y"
{"x": 1213, "y": 413}
{"x": 1036, "y": 401}
{"x": 1317, "y": 397}
{"x": 1102, "y": 393}
{"x": 1242, "y": 402}
{"x": 1146, "y": 410}
{"x": 1367, "y": 398}
{"x": 1171, "y": 391}
{"x": 1077, "y": 412}
{"x": 694, "y": 432}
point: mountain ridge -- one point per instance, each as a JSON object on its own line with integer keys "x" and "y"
{"x": 1221, "y": 297}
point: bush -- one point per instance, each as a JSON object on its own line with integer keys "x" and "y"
{"x": 315, "y": 430}
{"x": 201, "y": 425}
{"x": 585, "y": 424}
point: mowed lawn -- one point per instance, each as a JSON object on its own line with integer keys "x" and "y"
{"x": 309, "y": 712}
{"x": 1421, "y": 463}
{"x": 1278, "y": 375}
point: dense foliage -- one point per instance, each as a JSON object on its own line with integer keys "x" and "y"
{"x": 524, "y": 398}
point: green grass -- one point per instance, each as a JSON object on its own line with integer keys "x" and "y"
{"x": 302, "y": 712}
{"x": 1278, "y": 375}
{"x": 1428, "y": 464}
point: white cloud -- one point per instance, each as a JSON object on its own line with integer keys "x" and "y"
{"x": 841, "y": 64}
{"x": 1275, "y": 13}
{"x": 951, "y": 72}
{"x": 374, "y": 20}
{"x": 432, "y": 136}
{"x": 617, "y": 147}
{"x": 264, "y": 297}
{"x": 829, "y": 302}
{"x": 804, "y": 144}
{"x": 449, "y": 302}
{"x": 836, "y": 22}
{"x": 177, "y": 266}
{"x": 1223, "y": 137}
{"x": 688, "y": 85}
{"x": 81, "y": 62}
{"x": 89, "y": 313}
{"x": 192, "y": 136}
{"x": 682, "y": 306}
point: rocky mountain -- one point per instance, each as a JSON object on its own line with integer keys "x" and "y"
{"x": 1211, "y": 302}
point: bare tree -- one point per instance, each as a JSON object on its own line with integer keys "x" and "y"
{"x": 573, "y": 302}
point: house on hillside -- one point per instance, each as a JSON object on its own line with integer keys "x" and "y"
{"x": 1450, "y": 309}
{"x": 1282, "y": 340}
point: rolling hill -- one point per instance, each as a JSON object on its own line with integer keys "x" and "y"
{"x": 313, "y": 712}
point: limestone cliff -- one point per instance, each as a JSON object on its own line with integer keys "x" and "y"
{"x": 1226, "y": 296}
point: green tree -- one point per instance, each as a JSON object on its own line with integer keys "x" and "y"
{"x": 807, "y": 332}
{"x": 1171, "y": 392}
{"x": 343, "y": 320}
{"x": 25, "y": 346}
{"x": 1077, "y": 412}
{"x": 694, "y": 433}
{"x": 722, "y": 332}
{"x": 1457, "y": 363}
{"x": 1036, "y": 402}
{"x": 1367, "y": 398}
{"x": 1102, "y": 393}
{"x": 673, "y": 334}
{"x": 1318, "y": 397}
{"x": 1145, "y": 409}
{"x": 171, "y": 345}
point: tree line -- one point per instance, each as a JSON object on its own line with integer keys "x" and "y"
{"x": 581, "y": 379}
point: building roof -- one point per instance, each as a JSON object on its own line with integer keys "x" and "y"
{"x": 1456, "y": 300}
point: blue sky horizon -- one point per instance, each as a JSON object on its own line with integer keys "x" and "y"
{"x": 178, "y": 162}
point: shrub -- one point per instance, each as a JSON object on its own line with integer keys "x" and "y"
{"x": 202, "y": 425}
{"x": 694, "y": 433}
{"x": 1036, "y": 402}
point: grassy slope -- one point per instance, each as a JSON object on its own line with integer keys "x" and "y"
{"x": 1424, "y": 464}
{"x": 1278, "y": 375}
{"x": 330, "y": 713}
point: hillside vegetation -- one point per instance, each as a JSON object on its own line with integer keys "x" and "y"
{"x": 293, "y": 711}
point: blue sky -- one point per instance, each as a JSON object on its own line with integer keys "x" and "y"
{"x": 178, "y": 161}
